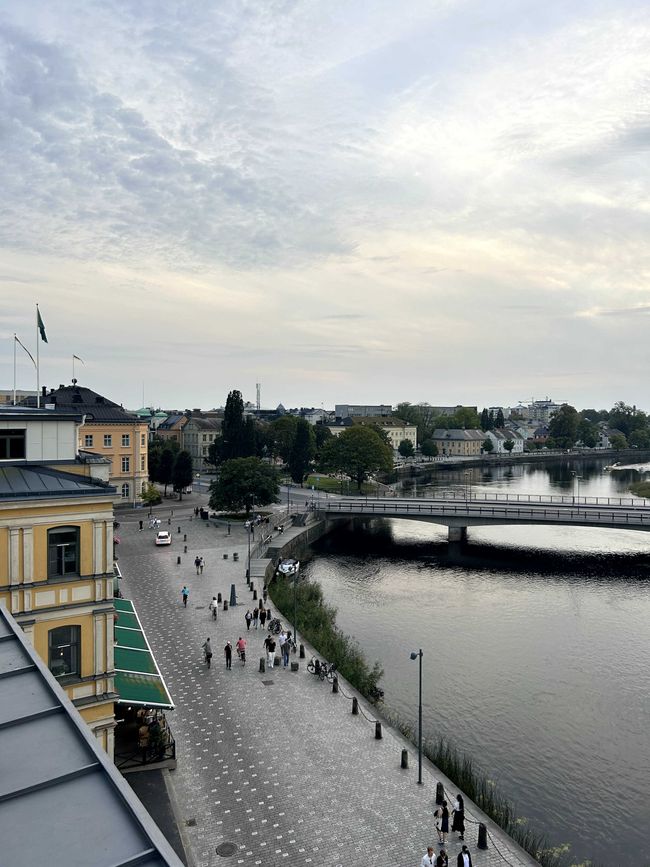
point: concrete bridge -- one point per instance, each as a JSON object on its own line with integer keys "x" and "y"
{"x": 459, "y": 512}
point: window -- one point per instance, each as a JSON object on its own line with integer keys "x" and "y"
{"x": 12, "y": 444}
{"x": 125, "y": 491}
{"x": 126, "y": 465}
{"x": 205, "y": 436}
{"x": 108, "y": 440}
{"x": 144, "y": 487}
{"x": 126, "y": 439}
{"x": 88, "y": 440}
{"x": 143, "y": 440}
{"x": 62, "y": 551}
{"x": 64, "y": 657}
{"x": 142, "y": 460}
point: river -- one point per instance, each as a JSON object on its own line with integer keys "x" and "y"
{"x": 536, "y": 645}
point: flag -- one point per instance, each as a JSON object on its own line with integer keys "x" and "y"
{"x": 41, "y": 326}
{"x": 79, "y": 359}
{"x": 26, "y": 350}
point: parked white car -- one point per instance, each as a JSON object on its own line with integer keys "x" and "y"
{"x": 163, "y": 538}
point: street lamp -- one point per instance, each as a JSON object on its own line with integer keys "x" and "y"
{"x": 577, "y": 479}
{"x": 250, "y": 530}
{"x": 288, "y": 495}
{"x": 415, "y": 655}
{"x": 468, "y": 485}
{"x": 291, "y": 567}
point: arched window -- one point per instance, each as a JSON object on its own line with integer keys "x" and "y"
{"x": 64, "y": 651}
{"x": 62, "y": 551}
{"x": 125, "y": 491}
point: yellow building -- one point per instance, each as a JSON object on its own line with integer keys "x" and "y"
{"x": 111, "y": 432}
{"x": 56, "y": 555}
{"x": 459, "y": 443}
{"x": 395, "y": 429}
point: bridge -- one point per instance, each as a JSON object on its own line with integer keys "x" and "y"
{"x": 459, "y": 512}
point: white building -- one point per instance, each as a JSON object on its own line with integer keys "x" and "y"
{"x": 499, "y": 437}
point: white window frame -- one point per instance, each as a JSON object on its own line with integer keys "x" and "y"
{"x": 108, "y": 441}
{"x": 126, "y": 491}
{"x": 126, "y": 440}
{"x": 88, "y": 441}
{"x": 126, "y": 464}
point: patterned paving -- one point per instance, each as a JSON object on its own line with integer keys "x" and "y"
{"x": 281, "y": 769}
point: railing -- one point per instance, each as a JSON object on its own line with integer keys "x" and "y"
{"x": 134, "y": 756}
{"x": 562, "y": 499}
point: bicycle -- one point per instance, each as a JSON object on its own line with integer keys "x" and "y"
{"x": 275, "y": 626}
{"x": 322, "y": 669}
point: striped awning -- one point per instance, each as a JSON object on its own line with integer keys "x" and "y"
{"x": 137, "y": 677}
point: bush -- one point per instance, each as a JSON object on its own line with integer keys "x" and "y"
{"x": 151, "y": 496}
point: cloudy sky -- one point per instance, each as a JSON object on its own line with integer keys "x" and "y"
{"x": 362, "y": 201}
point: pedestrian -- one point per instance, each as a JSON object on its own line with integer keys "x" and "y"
{"x": 196, "y": 512}
{"x": 262, "y": 617}
{"x": 248, "y": 617}
{"x": 185, "y": 593}
{"x": 438, "y": 818}
{"x": 256, "y": 614}
{"x": 143, "y": 740}
{"x": 197, "y": 563}
{"x": 214, "y": 605}
{"x": 458, "y": 816}
{"x": 464, "y": 858}
{"x": 444, "y": 822}
{"x": 229, "y": 528}
{"x": 141, "y": 525}
{"x": 283, "y": 641}
{"x": 201, "y": 564}
{"x": 227, "y": 652}
{"x": 443, "y": 859}
{"x": 207, "y": 650}
{"x": 428, "y": 860}
{"x": 270, "y": 647}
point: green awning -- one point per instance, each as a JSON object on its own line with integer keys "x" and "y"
{"x": 137, "y": 677}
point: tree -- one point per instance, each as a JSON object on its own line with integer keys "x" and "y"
{"x": 303, "y": 451}
{"x": 232, "y": 427}
{"x": 166, "y": 468}
{"x": 358, "y": 451}
{"x": 488, "y": 445}
{"x": 485, "y": 419}
{"x": 242, "y": 483}
{"x": 499, "y": 421}
{"x": 563, "y": 427}
{"x": 322, "y": 434}
{"x": 429, "y": 449}
{"x": 587, "y": 433}
{"x": 618, "y": 442}
{"x": 151, "y": 496}
{"x": 249, "y": 439}
{"x": 405, "y": 448}
{"x": 464, "y": 418}
{"x": 639, "y": 439}
{"x": 283, "y": 436}
{"x": 182, "y": 474}
{"x": 509, "y": 445}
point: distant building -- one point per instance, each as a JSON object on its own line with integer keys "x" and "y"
{"x": 540, "y": 411}
{"x": 499, "y": 436}
{"x": 7, "y": 396}
{"x": 197, "y": 436}
{"x": 450, "y": 410}
{"x": 172, "y": 427}
{"x": 357, "y": 410}
{"x": 458, "y": 443}
{"x": 395, "y": 429}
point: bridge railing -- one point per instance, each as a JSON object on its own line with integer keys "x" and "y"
{"x": 560, "y": 499}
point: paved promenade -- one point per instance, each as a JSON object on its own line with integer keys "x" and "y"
{"x": 273, "y": 763}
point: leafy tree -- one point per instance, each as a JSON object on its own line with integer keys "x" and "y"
{"x": 499, "y": 422}
{"x": 405, "y": 448}
{"x": 485, "y": 419}
{"x": 303, "y": 451}
{"x": 151, "y": 496}
{"x": 182, "y": 474}
{"x": 243, "y": 482}
{"x": 639, "y": 439}
{"x": 509, "y": 445}
{"x": 587, "y": 433}
{"x": 627, "y": 418}
{"x": 166, "y": 468}
{"x": 358, "y": 451}
{"x": 322, "y": 434}
{"x": 156, "y": 447}
{"x": 429, "y": 449}
{"x": 283, "y": 436}
{"x": 491, "y": 422}
{"x": 232, "y": 427}
{"x": 464, "y": 418}
{"x": 563, "y": 427}
{"x": 249, "y": 440}
{"x": 618, "y": 441}
{"x": 214, "y": 451}
{"x": 488, "y": 445}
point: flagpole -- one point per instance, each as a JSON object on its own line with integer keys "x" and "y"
{"x": 38, "y": 361}
{"x": 14, "y": 368}
{"x": 73, "y": 368}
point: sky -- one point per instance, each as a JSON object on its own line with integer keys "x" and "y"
{"x": 348, "y": 202}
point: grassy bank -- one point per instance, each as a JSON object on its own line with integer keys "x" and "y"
{"x": 338, "y": 486}
{"x": 641, "y": 489}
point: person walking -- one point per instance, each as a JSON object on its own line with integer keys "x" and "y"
{"x": 256, "y": 614}
{"x": 213, "y": 607}
{"x": 248, "y": 617}
{"x": 444, "y": 822}
{"x": 227, "y": 652}
{"x": 262, "y": 616}
{"x": 284, "y": 648}
{"x": 464, "y": 859}
{"x": 270, "y": 647}
{"x": 185, "y": 593}
{"x": 429, "y": 859}
{"x": 443, "y": 859}
{"x": 141, "y": 525}
{"x": 197, "y": 563}
{"x": 207, "y": 651}
{"x": 201, "y": 564}
{"x": 458, "y": 816}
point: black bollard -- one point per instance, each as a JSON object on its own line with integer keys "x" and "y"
{"x": 225, "y": 556}
{"x": 266, "y": 595}
{"x": 184, "y": 549}
{"x": 235, "y": 556}
{"x": 440, "y": 793}
{"x": 355, "y": 705}
{"x": 262, "y": 665}
{"x": 169, "y": 520}
{"x": 233, "y": 596}
{"x": 482, "y": 836}
{"x": 225, "y": 604}
{"x": 405, "y": 759}
{"x": 268, "y": 613}
{"x": 295, "y": 666}
{"x": 178, "y": 560}
{"x": 218, "y": 597}
{"x": 254, "y": 595}
{"x": 335, "y": 684}
{"x": 302, "y": 651}
{"x": 184, "y": 537}
{"x": 251, "y": 585}
{"x": 378, "y": 734}
{"x": 179, "y": 529}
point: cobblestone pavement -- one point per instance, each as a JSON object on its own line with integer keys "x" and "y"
{"x": 274, "y": 763}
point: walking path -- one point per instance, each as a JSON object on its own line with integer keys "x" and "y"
{"x": 273, "y": 763}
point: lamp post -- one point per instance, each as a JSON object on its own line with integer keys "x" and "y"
{"x": 415, "y": 655}
{"x": 576, "y": 479}
{"x": 468, "y": 485}
{"x": 291, "y": 567}
{"x": 288, "y": 496}
{"x": 250, "y": 530}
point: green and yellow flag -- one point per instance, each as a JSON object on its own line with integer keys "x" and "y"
{"x": 41, "y": 325}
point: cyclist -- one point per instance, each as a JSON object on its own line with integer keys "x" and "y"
{"x": 241, "y": 649}
{"x": 207, "y": 651}
{"x": 213, "y": 607}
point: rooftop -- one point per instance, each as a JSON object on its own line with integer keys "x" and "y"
{"x": 27, "y": 481}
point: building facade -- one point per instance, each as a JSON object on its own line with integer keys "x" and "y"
{"x": 395, "y": 429}
{"x": 197, "y": 436}
{"x": 56, "y": 556}
{"x": 500, "y": 436}
{"x": 358, "y": 410}
{"x": 459, "y": 443}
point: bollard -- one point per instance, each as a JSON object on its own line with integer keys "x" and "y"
{"x": 302, "y": 651}
{"x": 266, "y": 595}
{"x": 254, "y": 595}
{"x": 184, "y": 537}
{"x": 225, "y": 556}
{"x": 169, "y": 521}
{"x": 233, "y": 596}
{"x": 355, "y": 705}
{"x": 405, "y": 759}
{"x": 179, "y": 529}
{"x": 184, "y": 549}
{"x": 335, "y": 684}
{"x": 268, "y": 613}
{"x": 235, "y": 556}
{"x": 262, "y": 665}
{"x": 178, "y": 560}
{"x": 440, "y": 793}
{"x": 252, "y": 583}
{"x": 225, "y": 604}
{"x": 295, "y": 666}
{"x": 218, "y": 597}
{"x": 482, "y": 836}
{"x": 378, "y": 734}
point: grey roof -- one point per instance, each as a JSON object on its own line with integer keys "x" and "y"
{"x": 458, "y": 434}
{"x": 54, "y": 768}
{"x": 26, "y": 482}
{"x": 204, "y": 423}
{"x": 30, "y": 413}
{"x": 170, "y": 421}
{"x": 96, "y": 407}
